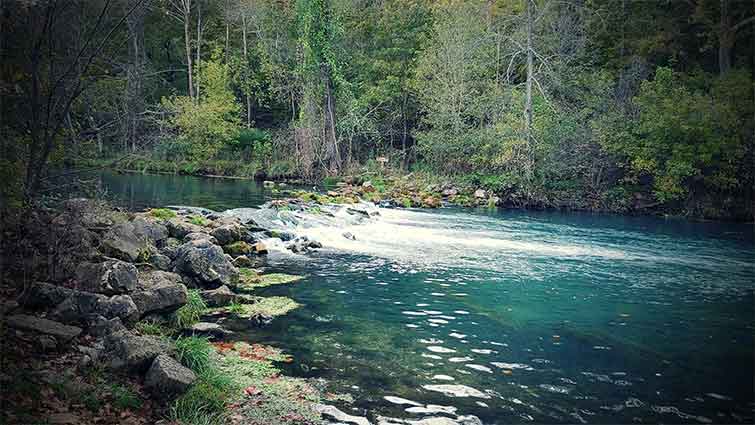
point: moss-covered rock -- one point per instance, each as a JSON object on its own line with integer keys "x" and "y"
{"x": 269, "y": 307}
{"x": 238, "y": 248}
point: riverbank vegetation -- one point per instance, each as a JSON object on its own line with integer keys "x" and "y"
{"x": 598, "y": 105}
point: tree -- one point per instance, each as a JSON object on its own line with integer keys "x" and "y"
{"x": 180, "y": 10}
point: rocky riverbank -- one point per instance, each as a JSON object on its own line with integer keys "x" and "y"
{"x": 124, "y": 322}
{"x": 132, "y": 317}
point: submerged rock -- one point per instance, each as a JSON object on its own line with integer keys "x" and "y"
{"x": 333, "y": 412}
{"x": 456, "y": 390}
{"x": 167, "y": 378}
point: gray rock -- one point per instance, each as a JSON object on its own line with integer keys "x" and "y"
{"x": 47, "y": 343}
{"x": 480, "y": 194}
{"x": 121, "y": 306}
{"x": 219, "y": 297}
{"x": 228, "y": 233}
{"x": 122, "y": 242}
{"x": 150, "y": 229}
{"x": 349, "y": 236}
{"x": 244, "y": 261}
{"x": 450, "y": 192}
{"x": 333, "y": 412}
{"x": 167, "y": 378}
{"x": 100, "y": 326}
{"x": 61, "y": 332}
{"x": 41, "y": 294}
{"x": 159, "y": 292}
{"x": 134, "y": 352}
{"x": 206, "y": 263}
{"x": 80, "y": 306}
{"x": 209, "y": 329}
{"x": 194, "y": 236}
{"x": 170, "y": 247}
{"x": 158, "y": 278}
{"x": 160, "y": 261}
{"x": 110, "y": 277}
{"x": 178, "y": 228}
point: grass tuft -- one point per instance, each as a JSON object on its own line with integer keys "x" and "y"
{"x": 194, "y": 352}
{"x": 190, "y": 313}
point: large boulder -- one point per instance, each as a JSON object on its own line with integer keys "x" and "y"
{"x": 134, "y": 352}
{"x": 206, "y": 263}
{"x": 167, "y": 378}
{"x": 110, "y": 277}
{"x": 123, "y": 242}
{"x": 57, "y": 330}
{"x": 159, "y": 292}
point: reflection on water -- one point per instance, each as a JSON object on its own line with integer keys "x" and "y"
{"x": 511, "y": 316}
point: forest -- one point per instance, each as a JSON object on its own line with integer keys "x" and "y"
{"x": 602, "y": 105}
{"x": 377, "y": 212}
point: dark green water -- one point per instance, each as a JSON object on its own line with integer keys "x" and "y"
{"x": 555, "y": 318}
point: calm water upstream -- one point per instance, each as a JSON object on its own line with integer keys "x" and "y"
{"x": 545, "y": 317}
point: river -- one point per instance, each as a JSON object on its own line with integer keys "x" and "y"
{"x": 542, "y": 317}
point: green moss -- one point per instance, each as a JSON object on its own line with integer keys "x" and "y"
{"x": 406, "y": 202}
{"x": 269, "y": 306}
{"x": 261, "y": 281}
{"x": 238, "y": 248}
{"x": 190, "y": 313}
{"x": 198, "y": 220}
{"x": 162, "y": 213}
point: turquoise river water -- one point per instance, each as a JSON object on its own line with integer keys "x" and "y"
{"x": 540, "y": 317}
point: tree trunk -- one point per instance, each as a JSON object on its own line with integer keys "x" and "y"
{"x": 189, "y": 68}
{"x": 334, "y": 157}
{"x": 199, "y": 46}
{"x": 246, "y": 58}
{"x": 725, "y": 39}
{"x": 528, "y": 101}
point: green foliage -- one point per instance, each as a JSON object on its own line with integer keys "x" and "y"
{"x": 190, "y": 313}
{"x": 205, "y": 125}
{"x": 687, "y": 135}
{"x": 162, "y": 213}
